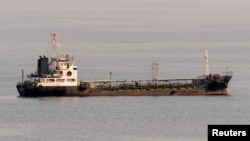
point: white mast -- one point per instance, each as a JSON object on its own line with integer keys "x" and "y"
{"x": 52, "y": 63}
{"x": 53, "y": 34}
{"x": 154, "y": 71}
{"x": 206, "y": 61}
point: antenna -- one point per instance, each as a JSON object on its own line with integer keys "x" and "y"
{"x": 206, "y": 61}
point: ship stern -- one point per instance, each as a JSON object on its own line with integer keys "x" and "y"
{"x": 21, "y": 89}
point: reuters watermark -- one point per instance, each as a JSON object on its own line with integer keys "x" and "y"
{"x": 236, "y": 132}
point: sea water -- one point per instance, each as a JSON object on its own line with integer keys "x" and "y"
{"x": 124, "y": 38}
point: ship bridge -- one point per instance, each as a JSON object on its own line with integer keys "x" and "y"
{"x": 60, "y": 71}
{"x": 63, "y": 62}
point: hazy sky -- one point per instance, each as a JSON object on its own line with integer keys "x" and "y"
{"x": 23, "y": 17}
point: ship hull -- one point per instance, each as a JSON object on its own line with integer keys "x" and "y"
{"x": 204, "y": 88}
{"x": 73, "y": 91}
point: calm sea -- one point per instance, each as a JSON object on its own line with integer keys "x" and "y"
{"x": 124, "y": 37}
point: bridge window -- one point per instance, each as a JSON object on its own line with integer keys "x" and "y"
{"x": 71, "y": 80}
{"x": 50, "y": 80}
{"x": 60, "y": 80}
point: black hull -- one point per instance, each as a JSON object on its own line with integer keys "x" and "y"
{"x": 204, "y": 88}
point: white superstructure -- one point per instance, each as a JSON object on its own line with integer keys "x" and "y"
{"x": 64, "y": 74}
{"x": 60, "y": 71}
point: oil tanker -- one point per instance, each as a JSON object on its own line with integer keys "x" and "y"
{"x": 57, "y": 76}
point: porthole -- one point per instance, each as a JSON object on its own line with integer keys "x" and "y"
{"x": 69, "y": 73}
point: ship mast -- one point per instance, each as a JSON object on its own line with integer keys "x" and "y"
{"x": 154, "y": 71}
{"x": 52, "y": 63}
{"x": 206, "y": 61}
{"x": 53, "y": 34}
